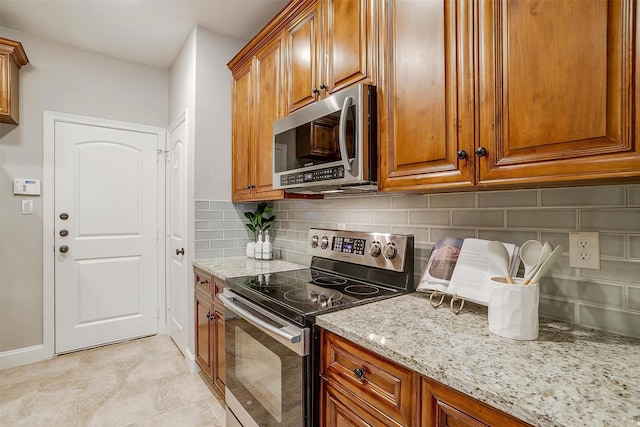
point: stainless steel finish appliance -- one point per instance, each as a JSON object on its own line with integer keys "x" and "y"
{"x": 330, "y": 145}
{"x": 272, "y": 343}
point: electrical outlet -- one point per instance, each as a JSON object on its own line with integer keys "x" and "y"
{"x": 584, "y": 249}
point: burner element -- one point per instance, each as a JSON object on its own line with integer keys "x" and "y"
{"x": 321, "y": 299}
{"x": 362, "y": 289}
{"x": 267, "y": 280}
{"x": 329, "y": 281}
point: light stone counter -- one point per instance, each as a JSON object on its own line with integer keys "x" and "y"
{"x": 569, "y": 376}
{"x": 224, "y": 268}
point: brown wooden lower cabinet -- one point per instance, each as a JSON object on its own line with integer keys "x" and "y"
{"x": 362, "y": 388}
{"x": 209, "y": 317}
{"x": 442, "y": 406}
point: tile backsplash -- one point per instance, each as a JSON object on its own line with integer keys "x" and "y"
{"x": 607, "y": 299}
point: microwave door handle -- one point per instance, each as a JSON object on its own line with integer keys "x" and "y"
{"x": 343, "y": 133}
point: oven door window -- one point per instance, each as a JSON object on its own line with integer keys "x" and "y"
{"x": 265, "y": 377}
{"x": 316, "y": 142}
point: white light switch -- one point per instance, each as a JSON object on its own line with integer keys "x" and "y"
{"x": 27, "y": 207}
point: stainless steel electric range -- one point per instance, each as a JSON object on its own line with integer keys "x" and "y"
{"x": 271, "y": 340}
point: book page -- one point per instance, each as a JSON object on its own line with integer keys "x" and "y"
{"x": 473, "y": 272}
{"x": 440, "y": 265}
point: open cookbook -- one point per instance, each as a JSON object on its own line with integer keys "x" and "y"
{"x": 461, "y": 267}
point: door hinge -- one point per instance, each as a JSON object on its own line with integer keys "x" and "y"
{"x": 161, "y": 152}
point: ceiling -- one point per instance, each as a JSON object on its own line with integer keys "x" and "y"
{"x": 145, "y": 31}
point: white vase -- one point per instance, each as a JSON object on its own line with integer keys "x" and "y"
{"x": 251, "y": 247}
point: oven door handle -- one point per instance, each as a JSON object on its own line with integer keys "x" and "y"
{"x": 343, "y": 133}
{"x": 250, "y": 317}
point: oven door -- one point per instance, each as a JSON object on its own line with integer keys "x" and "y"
{"x": 266, "y": 367}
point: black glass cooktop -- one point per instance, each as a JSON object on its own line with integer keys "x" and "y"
{"x": 300, "y": 295}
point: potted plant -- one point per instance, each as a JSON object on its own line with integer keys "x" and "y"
{"x": 259, "y": 221}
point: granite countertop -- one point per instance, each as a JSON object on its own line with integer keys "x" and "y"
{"x": 569, "y": 376}
{"x": 224, "y": 268}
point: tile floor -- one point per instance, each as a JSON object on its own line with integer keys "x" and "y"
{"x": 142, "y": 382}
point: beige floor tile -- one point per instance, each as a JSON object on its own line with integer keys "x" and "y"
{"x": 62, "y": 416}
{"x": 181, "y": 390}
{"x": 150, "y": 367}
{"x": 127, "y": 405}
{"x": 197, "y": 413}
{"x": 139, "y": 382}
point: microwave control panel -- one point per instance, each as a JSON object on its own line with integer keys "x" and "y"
{"x": 336, "y": 172}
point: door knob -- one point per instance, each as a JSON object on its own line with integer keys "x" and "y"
{"x": 180, "y": 251}
{"x": 64, "y": 233}
{"x": 64, "y": 249}
{"x": 64, "y": 216}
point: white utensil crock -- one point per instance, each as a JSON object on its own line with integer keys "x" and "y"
{"x": 513, "y": 309}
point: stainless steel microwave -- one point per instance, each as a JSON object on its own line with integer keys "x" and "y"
{"x": 330, "y": 145}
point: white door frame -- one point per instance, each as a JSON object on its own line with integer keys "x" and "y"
{"x": 48, "y": 213}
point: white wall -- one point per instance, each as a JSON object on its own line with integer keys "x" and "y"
{"x": 200, "y": 83}
{"x": 70, "y": 80}
{"x": 213, "y": 109}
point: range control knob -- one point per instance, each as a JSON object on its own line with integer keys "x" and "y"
{"x": 390, "y": 251}
{"x": 375, "y": 249}
{"x": 324, "y": 242}
{"x": 314, "y": 241}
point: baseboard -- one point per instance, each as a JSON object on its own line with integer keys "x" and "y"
{"x": 190, "y": 361}
{"x": 21, "y": 356}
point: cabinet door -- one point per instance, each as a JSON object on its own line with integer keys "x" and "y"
{"x": 219, "y": 364}
{"x": 376, "y": 381}
{"x": 242, "y": 136}
{"x": 339, "y": 409}
{"x": 204, "y": 334}
{"x": 268, "y": 107}
{"x": 304, "y": 58}
{"x": 349, "y": 42}
{"x": 425, "y": 96}
{"x": 442, "y": 406}
{"x": 556, "y": 90}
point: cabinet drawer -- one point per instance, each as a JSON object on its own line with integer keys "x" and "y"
{"x": 203, "y": 282}
{"x": 382, "y": 384}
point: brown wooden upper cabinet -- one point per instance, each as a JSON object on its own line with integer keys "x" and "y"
{"x": 258, "y": 101}
{"x": 540, "y": 92}
{"x": 426, "y": 107}
{"x": 330, "y": 46}
{"x": 12, "y": 58}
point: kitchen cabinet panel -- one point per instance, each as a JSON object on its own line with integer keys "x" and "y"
{"x": 304, "y": 58}
{"x": 369, "y": 380}
{"x": 258, "y": 101}
{"x": 504, "y": 93}
{"x": 443, "y": 406}
{"x": 350, "y": 42}
{"x": 330, "y": 46}
{"x": 557, "y": 91}
{"x": 242, "y": 135}
{"x": 426, "y": 110}
{"x": 204, "y": 334}
{"x": 209, "y": 314}
{"x": 12, "y": 58}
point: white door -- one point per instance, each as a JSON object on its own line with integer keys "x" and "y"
{"x": 176, "y": 259}
{"x": 106, "y": 235}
